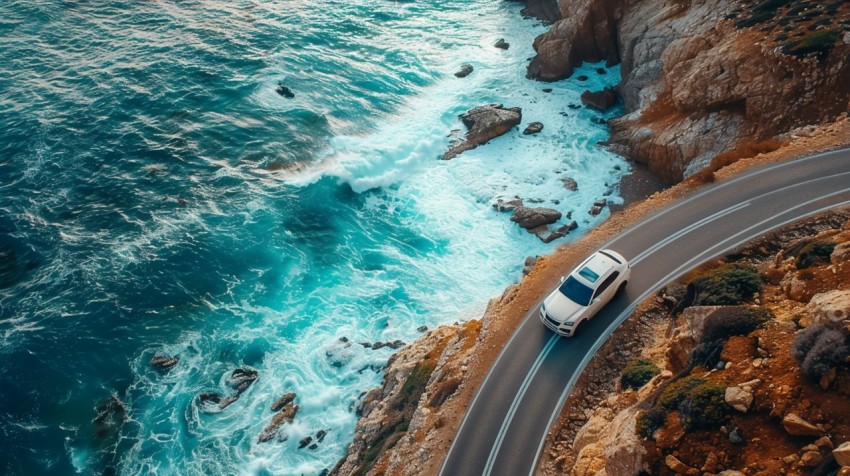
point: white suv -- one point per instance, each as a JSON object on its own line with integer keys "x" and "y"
{"x": 585, "y": 291}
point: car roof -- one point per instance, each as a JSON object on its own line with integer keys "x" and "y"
{"x": 599, "y": 263}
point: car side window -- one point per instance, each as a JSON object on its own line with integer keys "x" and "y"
{"x": 606, "y": 284}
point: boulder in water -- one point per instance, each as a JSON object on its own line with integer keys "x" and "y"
{"x": 484, "y": 123}
{"x": 284, "y": 416}
{"x": 502, "y": 44}
{"x": 529, "y": 218}
{"x": 283, "y": 401}
{"x": 600, "y": 100}
{"x": 284, "y": 91}
{"x": 533, "y": 128}
{"x": 465, "y": 70}
{"x": 241, "y": 379}
{"x": 164, "y": 362}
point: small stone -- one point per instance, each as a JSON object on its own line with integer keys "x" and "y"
{"x": 679, "y": 467}
{"x": 422, "y": 329}
{"x": 582, "y": 78}
{"x": 601, "y": 71}
{"x": 547, "y": 90}
{"x": 824, "y": 442}
{"x": 796, "y": 426}
{"x": 502, "y": 44}
{"x": 739, "y": 398}
{"x": 791, "y": 459}
{"x": 735, "y": 437}
{"x": 809, "y": 448}
{"x": 842, "y": 454}
{"x": 810, "y": 459}
{"x": 711, "y": 463}
{"x": 570, "y": 184}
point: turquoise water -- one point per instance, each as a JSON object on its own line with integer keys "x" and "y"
{"x": 158, "y": 196}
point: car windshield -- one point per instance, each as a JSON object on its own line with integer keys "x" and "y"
{"x": 576, "y": 291}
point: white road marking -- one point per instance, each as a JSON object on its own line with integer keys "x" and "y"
{"x": 515, "y": 404}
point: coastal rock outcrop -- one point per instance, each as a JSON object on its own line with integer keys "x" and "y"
{"x": 546, "y": 10}
{"x": 286, "y": 415}
{"x": 529, "y": 218}
{"x": 704, "y": 83}
{"x": 533, "y": 128}
{"x": 484, "y": 123}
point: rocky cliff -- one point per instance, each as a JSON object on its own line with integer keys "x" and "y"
{"x": 737, "y": 382}
{"x": 706, "y": 81}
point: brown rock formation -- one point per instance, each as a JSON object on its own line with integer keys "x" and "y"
{"x": 484, "y": 123}
{"x": 698, "y": 84}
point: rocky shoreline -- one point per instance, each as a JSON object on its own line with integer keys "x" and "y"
{"x": 695, "y": 82}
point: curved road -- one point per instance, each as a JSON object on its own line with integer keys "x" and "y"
{"x": 506, "y": 425}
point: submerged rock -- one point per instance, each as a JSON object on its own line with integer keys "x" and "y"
{"x": 484, "y": 123}
{"x": 465, "y": 70}
{"x": 110, "y": 415}
{"x": 285, "y": 416}
{"x": 533, "y": 128}
{"x": 502, "y": 44}
{"x": 305, "y": 441}
{"x": 241, "y": 379}
{"x": 529, "y": 218}
{"x": 164, "y": 362}
{"x": 600, "y": 100}
{"x": 392, "y": 345}
{"x": 570, "y": 184}
{"x": 284, "y": 91}
{"x": 281, "y": 402}
{"x": 502, "y": 205}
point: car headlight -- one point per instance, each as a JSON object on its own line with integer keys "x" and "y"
{"x": 570, "y": 323}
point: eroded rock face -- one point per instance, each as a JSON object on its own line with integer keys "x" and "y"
{"x": 484, "y": 123}
{"x": 712, "y": 87}
{"x": 546, "y": 10}
{"x": 625, "y": 456}
{"x": 587, "y": 32}
{"x": 832, "y": 306}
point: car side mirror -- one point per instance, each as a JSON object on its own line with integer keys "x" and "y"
{"x": 563, "y": 278}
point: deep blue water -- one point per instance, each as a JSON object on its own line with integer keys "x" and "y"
{"x": 158, "y": 196}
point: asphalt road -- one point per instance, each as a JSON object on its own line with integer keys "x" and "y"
{"x": 506, "y": 425}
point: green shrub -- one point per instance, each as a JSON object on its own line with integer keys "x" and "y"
{"x": 729, "y": 285}
{"x": 707, "y": 353}
{"x": 819, "y": 348}
{"x": 677, "y": 391}
{"x": 704, "y": 407}
{"x": 814, "y": 253}
{"x": 418, "y": 379}
{"x": 819, "y": 43}
{"x": 735, "y": 322}
{"x": 649, "y": 421}
{"x": 638, "y": 372}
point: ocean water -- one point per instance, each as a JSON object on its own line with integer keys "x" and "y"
{"x": 158, "y": 197}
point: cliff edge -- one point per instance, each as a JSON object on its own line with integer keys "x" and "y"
{"x": 705, "y": 83}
